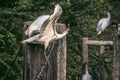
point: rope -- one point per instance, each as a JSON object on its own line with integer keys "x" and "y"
{"x": 45, "y": 66}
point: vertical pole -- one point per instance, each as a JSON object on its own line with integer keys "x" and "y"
{"x": 61, "y": 55}
{"x": 101, "y": 63}
{"x": 84, "y": 54}
{"x": 119, "y": 46}
{"x": 85, "y": 51}
{"x": 116, "y": 53}
{"x": 25, "y": 67}
{"x": 61, "y": 60}
{"x": 119, "y": 55}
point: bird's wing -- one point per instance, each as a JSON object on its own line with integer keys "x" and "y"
{"x": 55, "y": 16}
{"x": 48, "y": 21}
{"x": 102, "y": 24}
{"x": 31, "y": 39}
{"x": 37, "y": 24}
{"x": 106, "y": 23}
{"x": 99, "y": 25}
{"x": 42, "y": 22}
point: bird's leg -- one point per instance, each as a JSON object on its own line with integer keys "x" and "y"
{"x": 42, "y": 69}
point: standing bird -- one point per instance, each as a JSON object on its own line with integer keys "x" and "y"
{"x": 103, "y": 23}
{"x": 86, "y": 76}
{"x": 45, "y": 26}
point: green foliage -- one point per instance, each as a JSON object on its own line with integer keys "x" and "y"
{"x": 81, "y": 16}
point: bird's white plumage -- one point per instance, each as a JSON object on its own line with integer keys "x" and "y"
{"x": 49, "y": 32}
{"x": 87, "y": 76}
{"x": 103, "y": 24}
{"x": 37, "y": 24}
{"x": 47, "y": 29}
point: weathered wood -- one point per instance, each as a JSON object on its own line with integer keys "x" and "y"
{"x": 85, "y": 51}
{"x": 87, "y": 43}
{"x": 119, "y": 55}
{"x": 99, "y": 43}
{"x": 61, "y": 60}
{"x": 116, "y": 55}
{"x": 119, "y": 47}
{"x": 101, "y": 63}
{"x": 34, "y": 59}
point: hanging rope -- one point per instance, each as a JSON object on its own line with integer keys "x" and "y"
{"x": 45, "y": 66}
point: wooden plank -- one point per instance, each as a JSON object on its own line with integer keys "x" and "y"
{"x": 99, "y": 43}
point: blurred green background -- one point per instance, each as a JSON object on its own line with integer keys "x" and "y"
{"x": 82, "y": 17}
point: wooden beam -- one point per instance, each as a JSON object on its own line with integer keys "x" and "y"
{"x": 99, "y": 43}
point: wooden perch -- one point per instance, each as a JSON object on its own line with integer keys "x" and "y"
{"x": 87, "y": 42}
{"x": 34, "y": 59}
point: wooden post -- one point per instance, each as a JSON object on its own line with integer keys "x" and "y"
{"x": 101, "y": 63}
{"x": 116, "y": 55}
{"x": 85, "y": 51}
{"x": 34, "y": 59}
{"x": 119, "y": 47}
{"x": 84, "y": 54}
{"x": 100, "y": 43}
{"x": 61, "y": 55}
{"x": 87, "y": 42}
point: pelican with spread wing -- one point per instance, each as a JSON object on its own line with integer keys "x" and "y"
{"x": 43, "y": 29}
{"x": 46, "y": 29}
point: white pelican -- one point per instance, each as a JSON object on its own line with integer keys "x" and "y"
{"x": 46, "y": 28}
{"x": 103, "y": 23}
{"x": 86, "y": 76}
